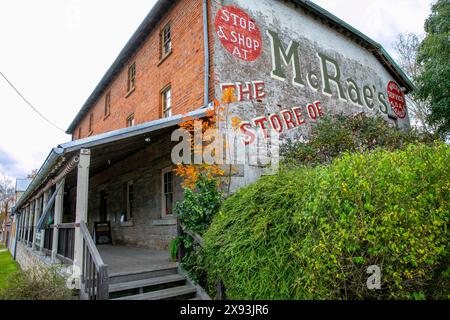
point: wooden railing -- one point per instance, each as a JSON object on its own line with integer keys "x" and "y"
{"x": 66, "y": 241}
{"x": 48, "y": 239}
{"x": 94, "y": 274}
{"x": 30, "y": 236}
{"x": 182, "y": 231}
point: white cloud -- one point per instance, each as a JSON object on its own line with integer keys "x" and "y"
{"x": 55, "y": 52}
{"x": 382, "y": 20}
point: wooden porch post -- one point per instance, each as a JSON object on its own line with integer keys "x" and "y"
{"x": 30, "y": 224}
{"x": 22, "y": 214}
{"x": 24, "y": 219}
{"x": 81, "y": 203}
{"x": 36, "y": 218}
{"x": 58, "y": 217}
{"x": 44, "y": 204}
{"x": 27, "y": 225}
{"x": 24, "y": 222}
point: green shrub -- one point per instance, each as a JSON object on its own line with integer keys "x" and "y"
{"x": 311, "y": 233}
{"x": 334, "y": 135}
{"x": 199, "y": 206}
{"x": 38, "y": 283}
{"x": 174, "y": 246}
{"x": 193, "y": 261}
{"x": 196, "y": 213}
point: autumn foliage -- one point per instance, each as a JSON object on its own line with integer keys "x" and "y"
{"x": 191, "y": 173}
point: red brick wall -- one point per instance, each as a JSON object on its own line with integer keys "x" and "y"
{"x": 183, "y": 69}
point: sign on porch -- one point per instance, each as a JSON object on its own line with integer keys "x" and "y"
{"x": 102, "y": 233}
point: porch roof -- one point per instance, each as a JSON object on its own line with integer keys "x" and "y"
{"x": 109, "y": 147}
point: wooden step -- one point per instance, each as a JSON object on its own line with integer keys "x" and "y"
{"x": 163, "y": 294}
{"x": 141, "y": 275}
{"x": 123, "y": 286}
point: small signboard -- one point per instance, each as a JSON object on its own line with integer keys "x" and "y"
{"x": 38, "y": 236}
{"x": 102, "y": 233}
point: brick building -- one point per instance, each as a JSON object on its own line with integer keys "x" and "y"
{"x": 165, "y": 55}
{"x": 285, "y": 62}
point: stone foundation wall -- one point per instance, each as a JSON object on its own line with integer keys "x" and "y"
{"x": 26, "y": 258}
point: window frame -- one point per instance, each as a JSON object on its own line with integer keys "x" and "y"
{"x": 91, "y": 122}
{"x": 103, "y": 206}
{"x": 131, "y": 80}
{"x": 128, "y": 207}
{"x": 163, "y": 192}
{"x": 166, "y": 40}
{"x": 164, "y": 108}
{"x": 130, "y": 202}
{"x": 131, "y": 119}
{"x": 107, "y": 110}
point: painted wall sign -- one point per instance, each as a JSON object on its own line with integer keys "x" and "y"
{"x": 330, "y": 81}
{"x": 285, "y": 120}
{"x": 397, "y": 99}
{"x": 238, "y": 33}
{"x": 300, "y": 70}
{"x": 253, "y": 90}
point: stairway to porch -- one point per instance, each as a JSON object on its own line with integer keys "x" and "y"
{"x": 142, "y": 274}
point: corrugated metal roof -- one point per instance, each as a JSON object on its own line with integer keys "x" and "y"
{"x": 57, "y": 153}
{"x": 22, "y": 184}
{"x": 132, "y": 131}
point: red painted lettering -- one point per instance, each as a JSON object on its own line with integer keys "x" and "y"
{"x": 299, "y": 116}
{"x": 246, "y": 129}
{"x": 288, "y": 118}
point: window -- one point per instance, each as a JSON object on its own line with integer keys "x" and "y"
{"x": 103, "y": 206}
{"x": 107, "y": 104}
{"x": 167, "y": 194}
{"x": 79, "y": 133}
{"x": 167, "y": 102}
{"x": 130, "y": 121}
{"x": 166, "y": 41}
{"x": 129, "y": 201}
{"x": 132, "y": 77}
{"x": 91, "y": 122}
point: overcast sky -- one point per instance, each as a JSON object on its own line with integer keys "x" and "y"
{"x": 56, "y": 51}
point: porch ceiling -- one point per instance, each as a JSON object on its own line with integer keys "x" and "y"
{"x": 106, "y": 149}
{"x": 106, "y": 155}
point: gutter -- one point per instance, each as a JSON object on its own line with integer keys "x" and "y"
{"x": 206, "y": 45}
{"x": 51, "y": 160}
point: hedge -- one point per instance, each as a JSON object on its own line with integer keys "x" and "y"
{"x": 312, "y": 233}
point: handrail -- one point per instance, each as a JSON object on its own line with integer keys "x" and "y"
{"x": 220, "y": 288}
{"x": 67, "y": 226}
{"x": 66, "y": 242}
{"x": 94, "y": 274}
{"x": 197, "y": 238}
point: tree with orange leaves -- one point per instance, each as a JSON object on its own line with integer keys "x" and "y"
{"x": 191, "y": 173}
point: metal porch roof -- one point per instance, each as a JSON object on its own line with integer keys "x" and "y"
{"x": 54, "y": 159}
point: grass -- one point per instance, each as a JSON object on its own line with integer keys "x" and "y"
{"x": 7, "y": 266}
